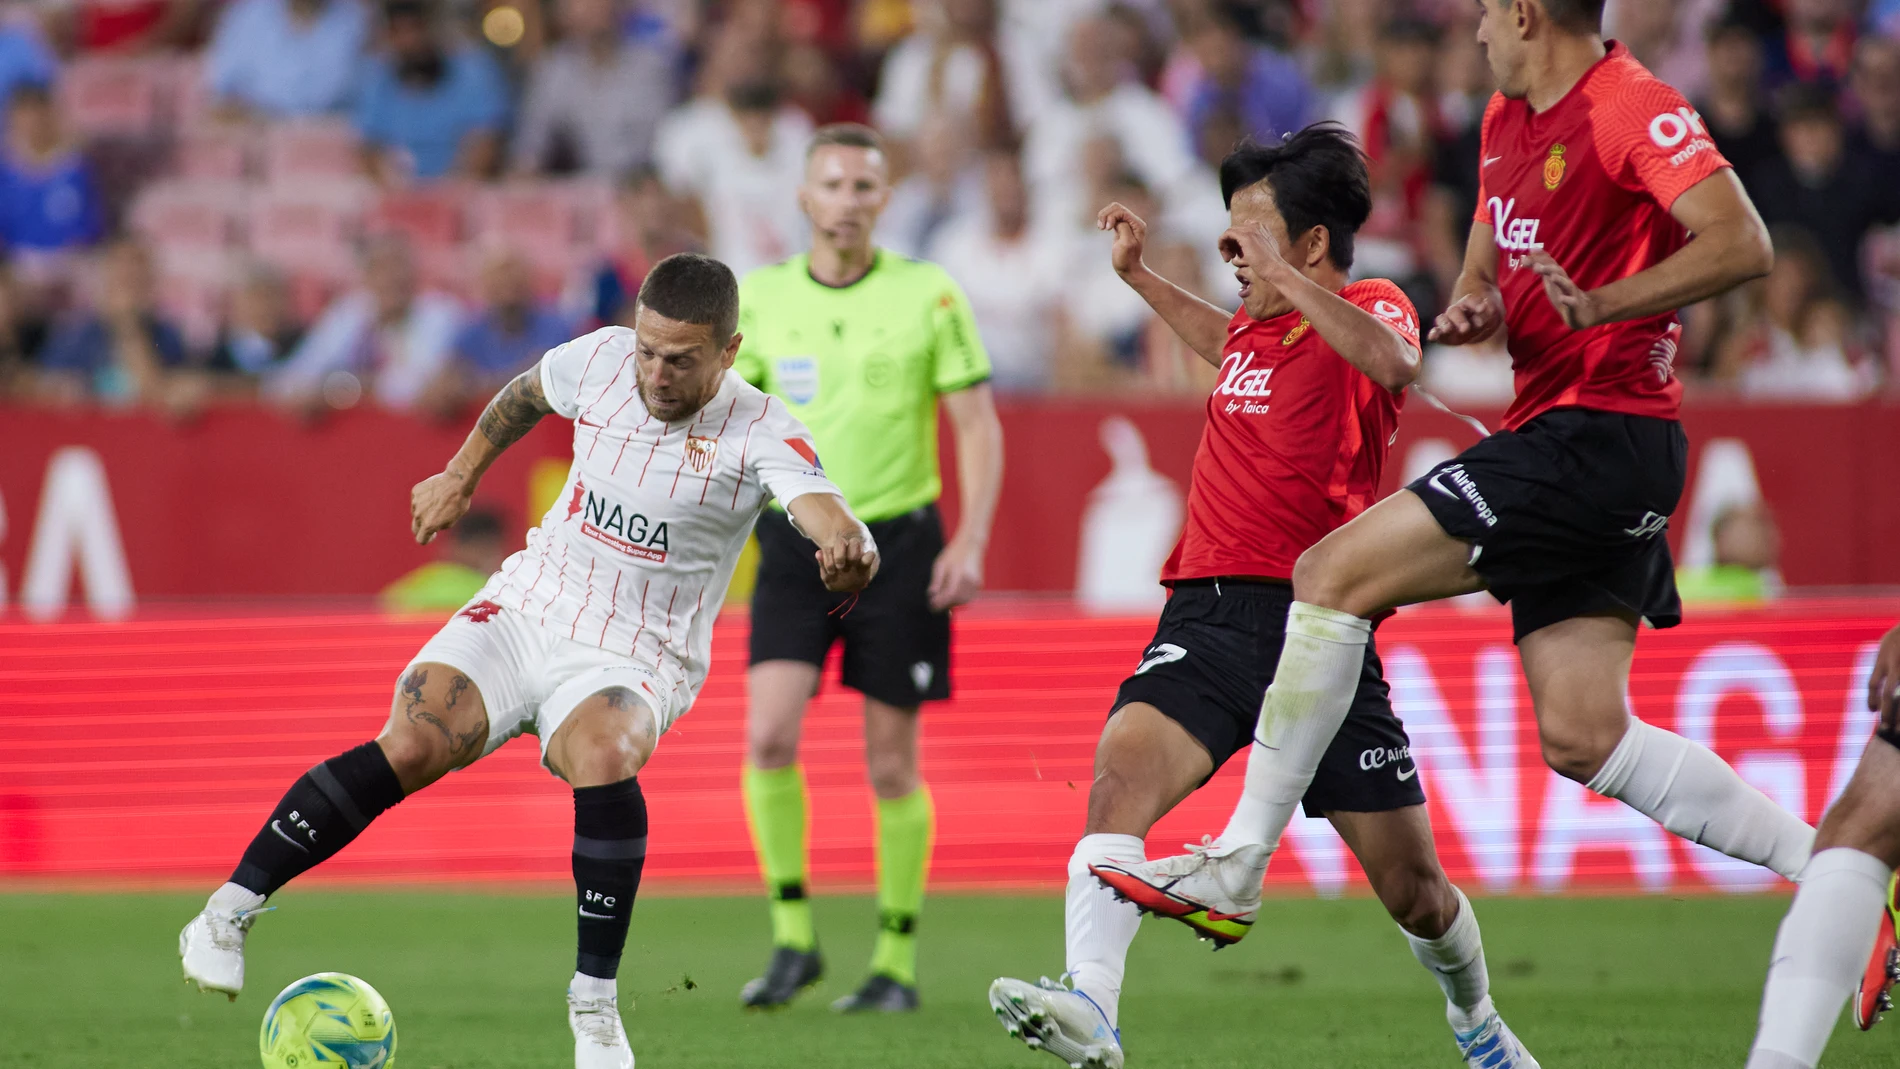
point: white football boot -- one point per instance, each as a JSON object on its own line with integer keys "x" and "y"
{"x": 600, "y": 1039}
{"x": 1492, "y": 1045}
{"x": 1064, "y": 1022}
{"x": 212, "y": 945}
{"x": 1213, "y": 891}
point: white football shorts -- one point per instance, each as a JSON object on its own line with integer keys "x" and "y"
{"x": 532, "y": 678}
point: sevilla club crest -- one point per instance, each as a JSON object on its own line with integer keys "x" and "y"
{"x": 700, "y": 452}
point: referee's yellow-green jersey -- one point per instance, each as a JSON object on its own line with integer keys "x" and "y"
{"x": 862, "y": 366}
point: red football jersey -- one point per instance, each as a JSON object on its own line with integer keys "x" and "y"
{"x": 1590, "y": 181}
{"x": 1294, "y": 443}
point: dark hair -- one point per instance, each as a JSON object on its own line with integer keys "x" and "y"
{"x": 1317, "y": 177}
{"x": 30, "y": 93}
{"x": 693, "y": 288}
{"x": 846, "y": 134}
{"x": 753, "y": 96}
{"x": 1576, "y": 16}
{"x": 1802, "y": 101}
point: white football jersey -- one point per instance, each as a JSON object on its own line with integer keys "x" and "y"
{"x": 635, "y": 555}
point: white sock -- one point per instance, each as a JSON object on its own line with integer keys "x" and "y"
{"x": 1820, "y": 950}
{"x": 1313, "y": 687}
{"x": 1695, "y": 794}
{"x": 234, "y": 899}
{"x": 1456, "y": 961}
{"x": 584, "y": 986}
{"x": 1099, "y": 927}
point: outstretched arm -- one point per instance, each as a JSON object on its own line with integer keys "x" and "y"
{"x": 1730, "y": 246}
{"x": 440, "y": 500}
{"x": 1196, "y": 322}
{"x": 1366, "y": 342}
{"x": 847, "y": 556}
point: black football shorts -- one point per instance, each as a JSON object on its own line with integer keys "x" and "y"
{"x": 896, "y": 648}
{"x": 1568, "y": 515}
{"x": 1214, "y": 653}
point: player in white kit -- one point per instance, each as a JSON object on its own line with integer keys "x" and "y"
{"x": 596, "y": 637}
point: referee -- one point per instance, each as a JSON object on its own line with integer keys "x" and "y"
{"x": 861, "y": 344}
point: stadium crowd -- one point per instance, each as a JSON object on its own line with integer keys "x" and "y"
{"x": 405, "y": 202}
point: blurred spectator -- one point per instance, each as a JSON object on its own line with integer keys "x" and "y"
{"x": 1876, "y": 86}
{"x": 944, "y": 184}
{"x": 1818, "y": 45}
{"x": 1818, "y": 185}
{"x": 1666, "y": 36}
{"x": 22, "y": 334}
{"x": 24, "y": 57}
{"x": 510, "y": 330}
{"x": 1103, "y": 105}
{"x": 125, "y": 351}
{"x": 281, "y": 58}
{"x": 647, "y": 230}
{"x": 430, "y": 107}
{"x": 1396, "y": 118}
{"x": 1105, "y": 319}
{"x": 1465, "y": 85}
{"x": 1242, "y": 87}
{"x": 260, "y": 329}
{"x": 48, "y": 199}
{"x": 120, "y": 25}
{"x": 594, "y": 102}
{"x": 740, "y": 161}
{"x": 959, "y": 63}
{"x": 1792, "y": 337}
{"x": 471, "y": 551}
{"x": 1735, "y": 107}
{"x": 1012, "y": 274}
{"x": 388, "y": 339}
{"x": 1747, "y": 547}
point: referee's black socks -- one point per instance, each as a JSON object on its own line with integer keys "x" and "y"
{"x": 323, "y": 811}
{"x": 610, "y": 849}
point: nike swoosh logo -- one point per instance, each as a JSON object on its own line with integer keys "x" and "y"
{"x": 1408, "y": 773}
{"x": 597, "y": 426}
{"x": 1489, "y": 160}
{"x": 598, "y": 916}
{"x": 286, "y": 838}
{"x": 1217, "y": 915}
{"x": 1440, "y": 487}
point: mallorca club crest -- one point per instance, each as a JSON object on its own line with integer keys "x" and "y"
{"x": 700, "y": 452}
{"x": 1299, "y": 331}
{"x": 1554, "y": 167}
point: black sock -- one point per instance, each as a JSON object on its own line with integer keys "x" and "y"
{"x": 610, "y": 849}
{"x": 322, "y": 812}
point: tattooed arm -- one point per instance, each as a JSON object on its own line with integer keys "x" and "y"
{"x": 440, "y": 500}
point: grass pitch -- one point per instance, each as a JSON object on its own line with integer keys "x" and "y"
{"x": 476, "y": 982}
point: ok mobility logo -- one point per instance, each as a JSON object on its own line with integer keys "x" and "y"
{"x": 619, "y": 528}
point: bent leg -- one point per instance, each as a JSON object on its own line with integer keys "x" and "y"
{"x": 1578, "y": 671}
{"x": 599, "y": 749}
{"x": 1145, "y": 764}
{"x": 1395, "y": 848}
{"x": 436, "y": 723}
{"x": 1824, "y": 941}
{"x": 1393, "y": 554}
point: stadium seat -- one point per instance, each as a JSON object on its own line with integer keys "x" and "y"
{"x": 214, "y": 153}
{"x": 527, "y": 215}
{"x": 189, "y": 214}
{"x": 113, "y": 97}
{"x": 192, "y": 284}
{"x": 311, "y": 148}
{"x": 430, "y": 216}
{"x": 309, "y": 228}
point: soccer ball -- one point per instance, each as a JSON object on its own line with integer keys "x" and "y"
{"x": 331, "y": 1020}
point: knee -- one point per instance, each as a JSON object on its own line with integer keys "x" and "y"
{"x": 417, "y": 757}
{"x": 1574, "y": 752}
{"x": 772, "y": 745}
{"x": 1420, "y": 899}
{"x": 892, "y": 771}
{"x": 602, "y": 754}
{"x": 1319, "y": 580}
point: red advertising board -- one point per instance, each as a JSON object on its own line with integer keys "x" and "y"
{"x": 250, "y": 504}
{"x": 148, "y": 751}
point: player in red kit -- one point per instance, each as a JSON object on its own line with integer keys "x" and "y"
{"x": 1604, "y": 208}
{"x": 1312, "y": 369}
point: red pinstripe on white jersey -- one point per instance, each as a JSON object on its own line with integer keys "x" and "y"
{"x": 612, "y": 518}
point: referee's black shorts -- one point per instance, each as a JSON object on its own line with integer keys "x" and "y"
{"x": 896, "y": 648}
